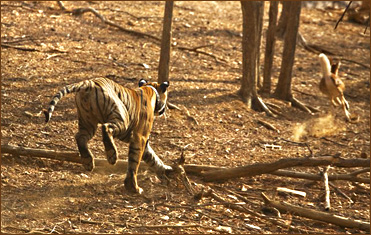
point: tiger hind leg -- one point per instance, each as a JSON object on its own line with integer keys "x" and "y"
{"x": 82, "y": 137}
{"x": 156, "y": 164}
{"x": 109, "y": 145}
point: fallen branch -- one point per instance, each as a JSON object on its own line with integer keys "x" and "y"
{"x": 69, "y": 156}
{"x": 195, "y": 49}
{"x": 18, "y": 48}
{"x": 31, "y": 49}
{"x": 241, "y": 208}
{"x": 296, "y": 103}
{"x": 291, "y": 191}
{"x": 355, "y": 62}
{"x": 81, "y": 11}
{"x": 140, "y": 226}
{"x": 202, "y": 170}
{"x": 327, "y": 188}
{"x": 308, "y": 176}
{"x": 341, "y": 192}
{"x": 317, "y": 215}
{"x": 264, "y": 168}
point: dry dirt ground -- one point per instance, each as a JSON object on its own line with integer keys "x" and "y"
{"x": 46, "y": 196}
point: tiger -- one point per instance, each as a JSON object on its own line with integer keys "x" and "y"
{"x": 125, "y": 114}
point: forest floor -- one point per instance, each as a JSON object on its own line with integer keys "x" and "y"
{"x": 44, "y": 49}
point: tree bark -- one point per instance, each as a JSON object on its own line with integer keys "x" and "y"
{"x": 251, "y": 14}
{"x": 163, "y": 68}
{"x": 282, "y": 22}
{"x": 283, "y": 89}
{"x": 269, "y": 47}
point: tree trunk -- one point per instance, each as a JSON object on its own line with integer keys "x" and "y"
{"x": 251, "y": 15}
{"x": 282, "y": 22}
{"x": 269, "y": 48}
{"x": 283, "y": 89}
{"x": 163, "y": 70}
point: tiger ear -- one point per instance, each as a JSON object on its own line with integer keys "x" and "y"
{"x": 142, "y": 82}
{"x": 164, "y": 86}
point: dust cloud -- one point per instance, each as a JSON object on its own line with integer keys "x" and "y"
{"x": 317, "y": 127}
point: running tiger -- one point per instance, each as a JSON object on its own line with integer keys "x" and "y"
{"x": 125, "y": 114}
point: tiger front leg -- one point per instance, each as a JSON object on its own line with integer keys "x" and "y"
{"x": 136, "y": 148}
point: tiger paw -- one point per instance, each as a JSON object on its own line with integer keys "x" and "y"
{"x": 109, "y": 145}
{"x": 132, "y": 187}
{"x": 111, "y": 156}
{"x": 88, "y": 163}
{"x": 133, "y": 190}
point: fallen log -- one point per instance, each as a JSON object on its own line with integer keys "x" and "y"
{"x": 70, "y": 156}
{"x": 102, "y": 166}
{"x": 264, "y": 168}
{"x": 317, "y": 215}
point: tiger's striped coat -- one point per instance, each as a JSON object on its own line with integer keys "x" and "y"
{"x": 126, "y": 114}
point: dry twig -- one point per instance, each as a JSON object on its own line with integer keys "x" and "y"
{"x": 269, "y": 126}
{"x": 341, "y": 192}
{"x": 327, "y": 187}
{"x": 342, "y": 16}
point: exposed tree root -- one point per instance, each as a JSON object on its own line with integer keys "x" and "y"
{"x": 296, "y": 103}
{"x": 258, "y": 104}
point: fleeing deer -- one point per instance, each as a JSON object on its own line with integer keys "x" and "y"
{"x": 331, "y": 85}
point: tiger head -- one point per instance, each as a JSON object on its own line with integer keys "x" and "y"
{"x": 160, "y": 91}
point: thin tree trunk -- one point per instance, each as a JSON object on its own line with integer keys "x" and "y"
{"x": 259, "y": 20}
{"x": 251, "y": 13}
{"x": 269, "y": 48}
{"x": 283, "y": 89}
{"x": 163, "y": 70}
{"x": 282, "y": 22}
